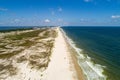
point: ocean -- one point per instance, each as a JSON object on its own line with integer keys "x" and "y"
{"x": 97, "y": 49}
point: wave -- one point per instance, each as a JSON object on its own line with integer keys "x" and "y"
{"x": 91, "y": 70}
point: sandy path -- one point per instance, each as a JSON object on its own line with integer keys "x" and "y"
{"x": 60, "y": 67}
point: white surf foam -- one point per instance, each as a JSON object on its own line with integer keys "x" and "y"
{"x": 91, "y": 71}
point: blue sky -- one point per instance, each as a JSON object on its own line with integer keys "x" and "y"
{"x": 60, "y": 12}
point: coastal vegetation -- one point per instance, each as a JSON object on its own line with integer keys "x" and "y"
{"x": 32, "y": 47}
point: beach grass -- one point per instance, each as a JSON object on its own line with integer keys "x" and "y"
{"x": 30, "y": 34}
{"x": 33, "y": 47}
{"x": 9, "y": 55}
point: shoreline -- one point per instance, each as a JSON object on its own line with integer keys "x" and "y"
{"x": 89, "y": 70}
{"x": 63, "y": 64}
{"x": 72, "y": 52}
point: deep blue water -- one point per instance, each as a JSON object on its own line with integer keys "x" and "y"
{"x": 101, "y": 44}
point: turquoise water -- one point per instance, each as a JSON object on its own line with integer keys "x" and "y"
{"x": 102, "y": 46}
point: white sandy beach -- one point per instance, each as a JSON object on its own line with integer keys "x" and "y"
{"x": 61, "y": 67}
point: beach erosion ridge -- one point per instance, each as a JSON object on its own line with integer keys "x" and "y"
{"x": 37, "y": 54}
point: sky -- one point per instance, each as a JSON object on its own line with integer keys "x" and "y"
{"x": 60, "y": 12}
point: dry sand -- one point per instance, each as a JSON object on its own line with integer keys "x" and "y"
{"x": 61, "y": 66}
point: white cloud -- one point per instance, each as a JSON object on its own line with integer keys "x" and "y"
{"x": 47, "y": 21}
{"x": 60, "y": 9}
{"x": 3, "y": 9}
{"x": 115, "y": 16}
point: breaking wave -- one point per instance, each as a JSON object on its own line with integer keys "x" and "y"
{"x": 91, "y": 70}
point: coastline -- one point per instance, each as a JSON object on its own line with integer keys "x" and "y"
{"x": 19, "y": 52}
{"x": 73, "y": 55}
{"x": 90, "y": 71}
{"x": 63, "y": 64}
